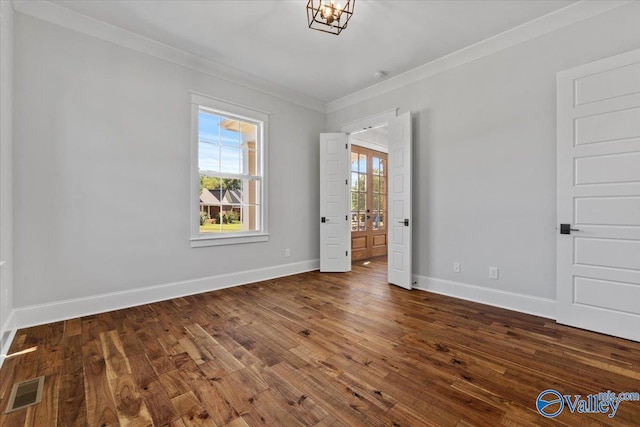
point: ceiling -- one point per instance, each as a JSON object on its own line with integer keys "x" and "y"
{"x": 270, "y": 39}
{"x": 377, "y": 136}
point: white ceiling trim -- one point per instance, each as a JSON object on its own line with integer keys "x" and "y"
{"x": 545, "y": 24}
{"x": 67, "y": 18}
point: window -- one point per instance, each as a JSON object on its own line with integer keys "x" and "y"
{"x": 368, "y": 189}
{"x": 228, "y": 172}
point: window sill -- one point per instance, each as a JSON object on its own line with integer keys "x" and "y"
{"x": 203, "y": 241}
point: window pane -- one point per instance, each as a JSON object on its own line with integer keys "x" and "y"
{"x": 362, "y": 163}
{"x": 210, "y": 183}
{"x": 383, "y": 185}
{"x": 208, "y": 142}
{"x": 383, "y": 203}
{"x": 362, "y": 182}
{"x": 230, "y": 218}
{"x": 230, "y": 125}
{"x": 376, "y": 165}
{"x": 250, "y": 162}
{"x": 249, "y": 133}
{"x": 354, "y": 181}
{"x": 381, "y": 219}
{"x": 230, "y": 160}
{"x": 208, "y": 126}
{"x": 251, "y": 192}
{"x": 362, "y": 222}
{"x": 376, "y": 202}
{"x": 241, "y": 218}
{"x": 362, "y": 201}
{"x": 376, "y": 184}
{"x": 208, "y": 219}
{"x": 354, "y": 221}
{"x": 208, "y": 156}
{"x": 354, "y": 162}
{"x": 376, "y": 221}
{"x": 383, "y": 165}
{"x": 354, "y": 201}
{"x": 209, "y": 204}
{"x": 248, "y": 219}
{"x": 249, "y": 139}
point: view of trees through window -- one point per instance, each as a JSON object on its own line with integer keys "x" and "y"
{"x": 230, "y": 176}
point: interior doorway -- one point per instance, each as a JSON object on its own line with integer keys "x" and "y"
{"x": 368, "y": 191}
{"x": 335, "y": 194}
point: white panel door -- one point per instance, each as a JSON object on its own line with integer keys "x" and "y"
{"x": 598, "y": 246}
{"x": 335, "y": 230}
{"x": 399, "y": 203}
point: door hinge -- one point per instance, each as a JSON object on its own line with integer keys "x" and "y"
{"x": 346, "y": 146}
{"x": 346, "y": 217}
{"x": 346, "y": 253}
{"x": 566, "y": 229}
{"x": 346, "y": 182}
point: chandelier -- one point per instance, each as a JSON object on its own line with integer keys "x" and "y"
{"x": 327, "y": 16}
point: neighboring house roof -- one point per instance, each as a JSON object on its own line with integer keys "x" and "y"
{"x": 220, "y": 197}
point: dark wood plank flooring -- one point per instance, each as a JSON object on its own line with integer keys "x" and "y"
{"x": 315, "y": 350}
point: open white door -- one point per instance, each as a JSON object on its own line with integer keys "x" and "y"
{"x": 399, "y": 202}
{"x": 335, "y": 230}
{"x": 598, "y": 246}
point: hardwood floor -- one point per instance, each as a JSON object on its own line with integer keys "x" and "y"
{"x": 317, "y": 350}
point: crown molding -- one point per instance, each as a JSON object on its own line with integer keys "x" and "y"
{"x": 58, "y": 15}
{"x": 50, "y": 12}
{"x": 560, "y": 18}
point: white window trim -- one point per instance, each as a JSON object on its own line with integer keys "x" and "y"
{"x": 198, "y": 240}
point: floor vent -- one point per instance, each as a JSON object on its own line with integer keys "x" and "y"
{"x": 25, "y": 393}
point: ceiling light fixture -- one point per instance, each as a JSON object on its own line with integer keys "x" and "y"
{"x": 329, "y": 17}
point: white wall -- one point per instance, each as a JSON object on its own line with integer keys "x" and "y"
{"x": 102, "y": 177}
{"x": 485, "y": 161}
{"x": 101, "y": 171}
{"x": 6, "y": 143}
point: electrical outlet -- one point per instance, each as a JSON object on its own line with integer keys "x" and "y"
{"x": 493, "y": 273}
{"x": 456, "y": 267}
{"x": 287, "y": 252}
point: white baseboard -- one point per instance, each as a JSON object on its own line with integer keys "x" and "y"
{"x": 69, "y": 309}
{"x": 7, "y": 332}
{"x": 537, "y": 306}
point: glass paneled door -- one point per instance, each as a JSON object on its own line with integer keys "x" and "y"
{"x": 368, "y": 203}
